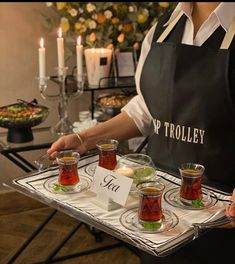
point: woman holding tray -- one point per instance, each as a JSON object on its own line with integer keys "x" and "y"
{"x": 186, "y": 106}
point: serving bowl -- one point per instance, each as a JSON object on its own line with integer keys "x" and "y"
{"x": 137, "y": 166}
{"x": 19, "y": 117}
{"x": 111, "y": 104}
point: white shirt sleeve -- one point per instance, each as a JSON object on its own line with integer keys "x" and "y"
{"x": 136, "y": 108}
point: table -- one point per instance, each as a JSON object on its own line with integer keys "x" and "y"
{"x": 43, "y": 138}
{"x": 82, "y": 208}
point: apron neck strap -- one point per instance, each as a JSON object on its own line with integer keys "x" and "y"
{"x": 226, "y": 41}
{"x": 228, "y": 36}
{"x": 168, "y": 29}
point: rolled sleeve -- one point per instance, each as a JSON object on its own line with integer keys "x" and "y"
{"x": 137, "y": 110}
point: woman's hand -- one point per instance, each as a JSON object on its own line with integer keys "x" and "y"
{"x": 66, "y": 142}
{"x": 120, "y": 127}
{"x": 230, "y": 211}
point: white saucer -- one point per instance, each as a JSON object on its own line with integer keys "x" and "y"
{"x": 84, "y": 184}
{"x": 90, "y": 169}
{"x": 172, "y": 197}
{"x": 129, "y": 219}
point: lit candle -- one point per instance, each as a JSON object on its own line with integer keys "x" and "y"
{"x": 60, "y": 49}
{"x": 79, "y": 49}
{"x": 42, "y": 62}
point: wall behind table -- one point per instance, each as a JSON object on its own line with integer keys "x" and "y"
{"x": 20, "y": 32}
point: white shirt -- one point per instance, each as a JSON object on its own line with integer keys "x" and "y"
{"x": 223, "y": 15}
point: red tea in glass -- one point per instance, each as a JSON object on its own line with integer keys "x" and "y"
{"x": 68, "y": 172}
{"x": 107, "y": 153}
{"x": 150, "y": 197}
{"x": 191, "y": 180}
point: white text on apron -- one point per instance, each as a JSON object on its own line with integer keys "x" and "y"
{"x": 178, "y": 132}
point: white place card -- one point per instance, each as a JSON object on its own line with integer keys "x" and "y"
{"x": 111, "y": 185}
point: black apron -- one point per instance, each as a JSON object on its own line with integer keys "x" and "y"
{"x": 187, "y": 91}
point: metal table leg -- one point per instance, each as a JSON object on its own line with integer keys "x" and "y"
{"x": 29, "y": 240}
{"x": 57, "y": 249}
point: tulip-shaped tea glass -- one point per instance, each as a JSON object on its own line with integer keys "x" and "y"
{"x": 67, "y": 160}
{"x": 68, "y": 168}
{"x": 150, "y": 202}
{"x": 149, "y": 216}
{"x": 191, "y": 180}
{"x": 107, "y": 153}
{"x": 191, "y": 194}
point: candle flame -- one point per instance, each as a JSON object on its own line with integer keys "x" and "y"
{"x": 60, "y": 32}
{"x": 79, "y": 41}
{"x": 42, "y": 43}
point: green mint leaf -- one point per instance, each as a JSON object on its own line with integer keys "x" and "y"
{"x": 151, "y": 226}
{"x": 56, "y": 186}
{"x": 59, "y": 187}
{"x": 64, "y": 189}
{"x": 198, "y": 203}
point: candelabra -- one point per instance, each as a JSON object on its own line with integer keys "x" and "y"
{"x": 64, "y": 126}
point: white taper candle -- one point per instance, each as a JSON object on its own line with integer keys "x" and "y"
{"x": 60, "y": 49}
{"x": 42, "y": 61}
{"x": 79, "y": 50}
